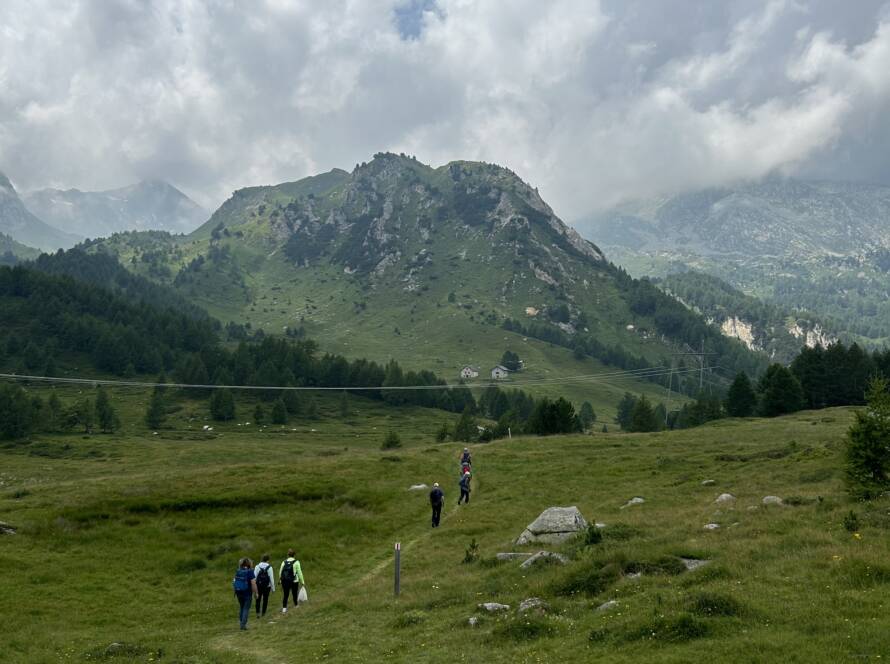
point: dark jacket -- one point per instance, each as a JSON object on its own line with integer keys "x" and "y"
{"x": 436, "y": 496}
{"x": 465, "y": 483}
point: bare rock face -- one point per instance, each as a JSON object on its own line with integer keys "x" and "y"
{"x": 554, "y": 525}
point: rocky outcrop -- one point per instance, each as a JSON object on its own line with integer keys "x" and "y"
{"x": 553, "y": 525}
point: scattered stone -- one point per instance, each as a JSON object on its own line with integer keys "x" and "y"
{"x": 694, "y": 563}
{"x": 533, "y": 604}
{"x": 417, "y": 487}
{"x": 493, "y": 607}
{"x": 725, "y": 498}
{"x": 544, "y": 556}
{"x": 608, "y": 606}
{"x": 7, "y": 529}
{"x": 634, "y": 575}
{"x": 473, "y": 621}
{"x": 512, "y": 555}
{"x": 772, "y": 500}
{"x": 555, "y": 524}
{"x": 636, "y": 500}
{"x": 708, "y": 482}
{"x": 711, "y": 526}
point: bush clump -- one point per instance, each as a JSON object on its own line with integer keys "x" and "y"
{"x": 391, "y": 441}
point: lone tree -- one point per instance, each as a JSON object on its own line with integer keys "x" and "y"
{"x": 105, "y": 415}
{"x": 156, "y": 413}
{"x": 222, "y": 405}
{"x": 511, "y": 360}
{"x": 868, "y": 444}
{"x": 780, "y": 392}
{"x": 586, "y": 415}
{"x": 741, "y": 400}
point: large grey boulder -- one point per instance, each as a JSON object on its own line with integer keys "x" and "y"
{"x": 544, "y": 557}
{"x": 554, "y": 525}
{"x": 533, "y": 604}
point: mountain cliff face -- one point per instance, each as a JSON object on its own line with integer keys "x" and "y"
{"x": 147, "y": 205}
{"x": 809, "y": 247}
{"x": 22, "y": 226}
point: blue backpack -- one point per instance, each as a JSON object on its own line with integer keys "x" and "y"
{"x": 241, "y": 582}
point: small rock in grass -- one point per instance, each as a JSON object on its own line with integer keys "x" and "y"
{"x": 634, "y": 575}
{"x": 544, "y": 556}
{"x": 417, "y": 487}
{"x": 532, "y": 604}
{"x": 599, "y": 525}
{"x": 694, "y": 563}
{"x": 492, "y": 607}
{"x": 725, "y": 498}
{"x": 512, "y": 555}
{"x": 636, "y": 500}
{"x": 772, "y": 500}
{"x": 608, "y": 606}
{"x": 708, "y": 482}
{"x": 7, "y": 529}
{"x": 711, "y": 526}
{"x": 473, "y": 621}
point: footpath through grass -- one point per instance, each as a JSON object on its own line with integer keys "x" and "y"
{"x": 133, "y": 539}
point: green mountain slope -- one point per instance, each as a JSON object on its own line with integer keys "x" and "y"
{"x": 426, "y": 265}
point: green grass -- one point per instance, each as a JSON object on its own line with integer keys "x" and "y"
{"x": 133, "y": 538}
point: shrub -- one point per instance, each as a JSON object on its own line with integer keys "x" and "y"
{"x": 391, "y": 441}
{"x": 593, "y": 535}
{"x": 851, "y": 522}
{"x": 868, "y": 445}
{"x": 713, "y": 604}
{"x": 472, "y": 552}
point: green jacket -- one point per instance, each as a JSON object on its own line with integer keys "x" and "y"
{"x": 298, "y": 573}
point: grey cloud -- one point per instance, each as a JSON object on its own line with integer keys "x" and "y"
{"x": 592, "y": 102}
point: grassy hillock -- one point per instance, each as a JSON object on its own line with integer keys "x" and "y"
{"x": 132, "y": 539}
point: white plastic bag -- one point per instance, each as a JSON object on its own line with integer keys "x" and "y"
{"x": 302, "y": 596}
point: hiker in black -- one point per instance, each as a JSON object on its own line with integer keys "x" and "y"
{"x": 265, "y": 584}
{"x": 437, "y": 498}
{"x": 464, "y": 488}
{"x": 291, "y": 576}
{"x": 465, "y": 459}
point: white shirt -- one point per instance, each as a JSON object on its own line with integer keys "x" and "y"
{"x": 264, "y": 565}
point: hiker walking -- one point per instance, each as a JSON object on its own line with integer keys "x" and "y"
{"x": 464, "y": 488}
{"x": 265, "y": 584}
{"x": 291, "y": 576}
{"x": 244, "y": 585}
{"x": 437, "y": 499}
{"x": 465, "y": 458}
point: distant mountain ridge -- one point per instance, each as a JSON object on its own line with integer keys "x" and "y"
{"x": 816, "y": 247}
{"x": 146, "y": 205}
{"x": 21, "y": 225}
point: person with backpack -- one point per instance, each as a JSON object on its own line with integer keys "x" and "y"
{"x": 465, "y": 458}
{"x": 244, "y": 585}
{"x": 464, "y": 488}
{"x": 437, "y": 499}
{"x": 265, "y": 584}
{"x": 291, "y": 576}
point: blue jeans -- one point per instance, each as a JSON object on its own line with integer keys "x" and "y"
{"x": 244, "y": 599}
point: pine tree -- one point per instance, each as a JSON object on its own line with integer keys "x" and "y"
{"x": 279, "y": 412}
{"x": 465, "y": 429}
{"x": 312, "y": 409}
{"x": 344, "y": 405}
{"x": 259, "y": 414}
{"x": 157, "y": 409}
{"x": 105, "y": 413}
{"x": 868, "y": 444}
{"x": 625, "y": 408}
{"x": 780, "y": 392}
{"x": 642, "y": 417}
{"x": 586, "y": 414}
{"x": 222, "y": 405}
{"x": 54, "y": 420}
{"x": 741, "y": 399}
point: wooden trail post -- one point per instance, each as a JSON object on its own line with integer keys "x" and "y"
{"x": 398, "y": 567}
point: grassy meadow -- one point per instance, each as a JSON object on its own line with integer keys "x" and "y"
{"x": 132, "y": 538}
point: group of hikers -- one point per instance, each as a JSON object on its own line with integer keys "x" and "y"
{"x": 437, "y": 496}
{"x": 259, "y": 582}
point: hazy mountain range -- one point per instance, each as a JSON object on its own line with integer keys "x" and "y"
{"x": 50, "y": 219}
{"x": 818, "y": 247}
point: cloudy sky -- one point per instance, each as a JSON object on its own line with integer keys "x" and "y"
{"x": 593, "y": 102}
